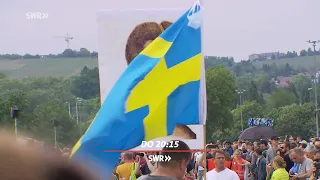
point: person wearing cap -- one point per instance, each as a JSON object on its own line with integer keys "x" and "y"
{"x": 303, "y": 145}
{"x": 228, "y": 149}
{"x": 272, "y": 151}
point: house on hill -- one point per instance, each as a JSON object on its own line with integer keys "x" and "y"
{"x": 282, "y": 81}
{"x": 269, "y": 55}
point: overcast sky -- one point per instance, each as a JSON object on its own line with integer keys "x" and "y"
{"x": 232, "y": 27}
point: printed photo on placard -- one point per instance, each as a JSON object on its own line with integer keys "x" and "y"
{"x": 123, "y": 34}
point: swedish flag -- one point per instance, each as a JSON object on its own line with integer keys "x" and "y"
{"x": 158, "y": 90}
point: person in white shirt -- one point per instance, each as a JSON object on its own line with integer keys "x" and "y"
{"x": 220, "y": 172}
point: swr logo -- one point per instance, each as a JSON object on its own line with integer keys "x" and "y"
{"x": 37, "y": 15}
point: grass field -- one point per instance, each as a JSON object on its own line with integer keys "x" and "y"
{"x": 56, "y": 67}
{"x": 298, "y": 62}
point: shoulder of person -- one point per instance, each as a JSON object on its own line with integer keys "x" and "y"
{"x": 234, "y": 174}
{"x": 309, "y": 161}
{"x": 148, "y": 177}
{"x": 144, "y": 177}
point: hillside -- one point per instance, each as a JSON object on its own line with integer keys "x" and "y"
{"x": 306, "y": 62}
{"x": 69, "y": 66}
{"x": 45, "y": 67}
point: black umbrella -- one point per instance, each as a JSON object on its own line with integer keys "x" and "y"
{"x": 260, "y": 132}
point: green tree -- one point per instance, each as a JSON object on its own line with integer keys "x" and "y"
{"x": 253, "y": 93}
{"x": 250, "y": 109}
{"x": 264, "y": 84}
{"x": 296, "y": 120}
{"x": 303, "y": 53}
{"x": 86, "y": 85}
{"x": 83, "y": 53}
{"x": 301, "y": 84}
{"x": 220, "y": 96}
{"x": 2, "y": 75}
{"x": 281, "y": 98}
{"x": 41, "y": 124}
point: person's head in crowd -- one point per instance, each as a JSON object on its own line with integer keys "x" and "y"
{"x": 303, "y": 146}
{"x": 244, "y": 150}
{"x": 317, "y": 156}
{"x": 219, "y": 159}
{"x": 284, "y": 147}
{"x": 258, "y": 152}
{"x": 293, "y": 145}
{"x": 128, "y": 157}
{"x": 19, "y": 163}
{"x": 219, "y": 142}
{"x": 249, "y": 146}
{"x": 274, "y": 141}
{"x": 310, "y": 152}
{"x": 177, "y": 166}
{"x": 121, "y": 157}
{"x": 235, "y": 147}
{"x": 147, "y": 154}
{"x": 312, "y": 140}
{"x": 297, "y": 155}
{"x": 299, "y": 139}
{"x": 317, "y": 144}
{"x": 303, "y": 142}
{"x": 279, "y": 153}
{"x": 244, "y": 145}
{"x": 227, "y": 157}
{"x": 212, "y": 148}
{"x": 237, "y": 154}
{"x": 291, "y": 139}
{"x": 278, "y": 162}
{"x": 227, "y": 144}
{"x": 263, "y": 144}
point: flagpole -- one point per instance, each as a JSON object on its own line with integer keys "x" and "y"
{"x": 205, "y": 151}
{"x": 203, "y": 97}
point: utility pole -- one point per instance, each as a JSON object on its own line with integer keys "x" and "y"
{"x": 78, "y": 101}
{"x": 56, "y": 123}
{"x": 240, "y": 92}
{"x": 314, "y": 44}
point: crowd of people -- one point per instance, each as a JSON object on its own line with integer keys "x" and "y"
{"x": 275, "y": 159}
{"x": 272, "y": 159}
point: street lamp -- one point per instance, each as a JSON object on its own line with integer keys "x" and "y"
{"x": 69, "y": 108}
{"x": 314, "y": 44}
{"x": 310, "y": 89}
{"x": 240, "y": 92}
{"x": 78, "y": 101}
